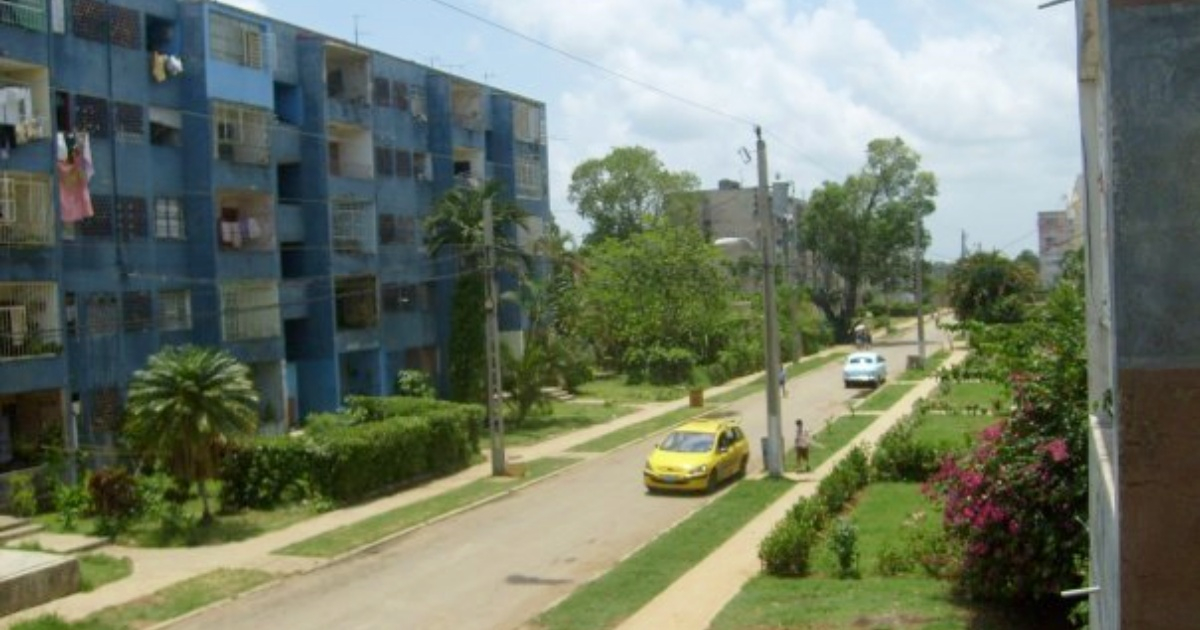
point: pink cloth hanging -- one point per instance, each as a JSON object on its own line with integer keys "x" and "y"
{"x": 74, "y": 173}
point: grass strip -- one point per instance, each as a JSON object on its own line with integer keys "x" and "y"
{"x": 979, "y": 394}
{"x": 932, "y": 363}
{"x": 837, "y": 434}
{"x": 622, "y": 591}
{"x": 625, "y": 435}
{"x": 98, "y": 569}
{"x": 794, "y": 370}
{"x": 883, "y": 398}
{"x": 169, "y": 603}
{"x": 369, "y": 530}
{"x": 563, "y": 417}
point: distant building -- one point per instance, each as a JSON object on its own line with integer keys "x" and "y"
{"x": 257, "y": 186}
{"x": 731, "y": 211}
{"x": 1055, "y": 239}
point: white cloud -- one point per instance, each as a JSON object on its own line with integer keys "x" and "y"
{"x": 984, "y": 89}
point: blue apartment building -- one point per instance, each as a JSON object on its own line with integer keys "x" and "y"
{"x": 257, "y": 186}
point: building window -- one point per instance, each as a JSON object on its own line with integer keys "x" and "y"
{"x": 26, "y": 211}
{"x": 421, "y": 167}
{"x": 89, "y": 20}
{"x": 29, "y": 319}
{"x": 353, "y": 226}
{"x": 393, "y": 297}
{"x": 125, "y": 27}
{"x": 27, "y": 14}
{"x": 400, "y": 95}
{"x": 91, "y": 115}
{"x": 530, "y": 177}
{"x": 241, "y": 133}
{"x": 383, "y": 162}
{"x": 387, "y": 229}
{"x": 174, "y": 311}
{"x": 138, "y": 311}
{"x": 100, "y": 224}
{"x": 528, "y": 123}
{"x": 106, "y": 409}
{"x": 356, "y": 305}
{"x": 71, "y": 312}
{"x": 132, "y": 215}
{"x": 250, "y": 310}
{"x": 131, "y": 122}
{"x": 103, "y": 314}
{"x": 406, "y": 230}
{"x": 166, "y": 127}
{"x": 168, "y": 219}
{"x": 416, "y": 102}
{"x": 404, "y": 166}
{"x": 235, "y": 41}
{"x": 381, "y": 92}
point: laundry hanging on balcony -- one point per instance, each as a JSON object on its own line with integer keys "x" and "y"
{"x": 163, "y": 66}
{"x": 75, "y": 170}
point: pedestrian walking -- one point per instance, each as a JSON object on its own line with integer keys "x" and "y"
{"x": 803, "y": 442}
{"x": 783, "y": 381}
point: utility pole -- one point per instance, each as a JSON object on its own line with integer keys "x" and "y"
{"x": 492, "y": 341}
{"x": 774, "y": 450}
{"x": 919, "y": 267}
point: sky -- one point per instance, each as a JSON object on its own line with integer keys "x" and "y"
{"x": 984, "y": 90}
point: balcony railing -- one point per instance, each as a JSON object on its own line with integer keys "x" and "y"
{"x": 29, "y": 320}
{"x": 27, "y": 14}
{"x": 26, "y": 211}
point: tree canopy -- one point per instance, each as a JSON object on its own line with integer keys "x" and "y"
{"x": 989, "y": 287}
{"x": 863, "y": 230}
{"x": 620, "y": 193}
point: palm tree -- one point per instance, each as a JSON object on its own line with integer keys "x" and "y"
{"x": 456, "y": 224}
{"x": 184, "y": 406}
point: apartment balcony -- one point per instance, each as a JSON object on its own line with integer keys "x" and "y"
{"x": 241, "y": 134}
{"x": 348, "y": 85}
{"x": 26, "y": 210}
{"x": 246, "y": 221}
{"x": 24, "y": 101}
{"x": 354, "y": 226}
{"x": 30, "y": 324}
{"x": 29, "y": 15}
{"x": 250, "y": 310}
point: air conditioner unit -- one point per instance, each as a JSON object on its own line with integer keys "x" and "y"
{"x": 14, "y": 327}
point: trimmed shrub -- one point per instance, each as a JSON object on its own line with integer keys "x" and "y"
{"x": 787, "y": 550}
{"x": 900, "y": 457}
{"x": 347, "y": 461}
{"x": 22, "y": 495}
{"x": 844, "y": 481}
{"x": 843, "y": 541}
{"x": 414, "y": 384}
{"x": 658, "y": 365}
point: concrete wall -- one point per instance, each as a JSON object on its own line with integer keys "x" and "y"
{"x": 1142, "y": 145}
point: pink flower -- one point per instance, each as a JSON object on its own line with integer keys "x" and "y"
{"x": 1057, "y": 449}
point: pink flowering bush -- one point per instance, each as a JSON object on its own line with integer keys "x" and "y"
{"x": 1018, "y": 503}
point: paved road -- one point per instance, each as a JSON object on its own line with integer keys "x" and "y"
{"x": 499, "y": 565}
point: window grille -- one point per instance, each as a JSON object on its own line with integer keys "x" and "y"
{"x": 400, "y": 95}
{"x": 381, "y": 92}
{"x": 131, "y": 122}
{"x": 100, "y": 224}
{"x": 27, "y": 14}
{"x": 26, "y": 211}
{"x": 250, "y": 310}
{"x": 356, "y": 304}
{"x": 168, "y": 219}
{"x": 421, "y": 167}
{"x": 89, "y": 20}
{"x": 124, "y": 27}
{"x": 29, "y": 324}
{"x": 174, "y": 310}
{"x": 241, "y": 134}
{"x": 106, "y": 409}
{"x": 530, "y": 177}
{"x": 406, "y": 230}
{"x": 383, "y": 162}
{"x": 132, "y": 213}
{"x": 91, "y": 115}
{"x": 103, "y": 315}
{"x": 138, "y": 311}
{"x": 527, "y": 123}
{"x": 166, "y": 127}
{"x": 235, "y": 41}
{"x": 352, "y": 226}
{"x": 404, "y": 166}
{"x": 416, "y": 102}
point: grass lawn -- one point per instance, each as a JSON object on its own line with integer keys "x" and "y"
{"x": 224, "y": 528}
{"x": 951, "y": 430}
{"x": 884, "y": 397}
{"x": 983, "y": 394}
{"x": 832, "y": 438}
{"x": 615, "y": 389}
{"x": 169, "y": 603}
{"x": 98, "y": 569}
{"x": 563, "y": 417}
{"x": 616, "y": 595}
{"x": 621, "y": 437}
{"x": 382, "y": 525}
{"x": 902, "y": 602}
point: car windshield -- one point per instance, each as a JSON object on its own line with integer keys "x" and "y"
{"x": 860, "y": 360}
{"x": 687, "y": 442}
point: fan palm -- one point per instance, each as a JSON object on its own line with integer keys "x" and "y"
{"x": 185, "y": 406}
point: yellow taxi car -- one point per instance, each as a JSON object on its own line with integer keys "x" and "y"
{"x": 698, "y": 455}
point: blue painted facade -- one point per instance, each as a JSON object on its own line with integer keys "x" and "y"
{"x": 294, "y": 162}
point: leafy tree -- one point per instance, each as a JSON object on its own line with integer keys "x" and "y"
{"x": 1028, "y": 258}
{"x": 863, "y": 230}
{"x": 414, "y": 384}
{"x": 456, "y": 225}
{"x": 526, "y": 375}
{"x": 661, "y": 290}
{"x": 1018, "y": 504}
{"x": 988, "y": 287}
{"x": 620, "y": 193}
{"x": 185, "y": 406}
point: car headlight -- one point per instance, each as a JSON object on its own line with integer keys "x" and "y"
{"x": 697, "y": 471}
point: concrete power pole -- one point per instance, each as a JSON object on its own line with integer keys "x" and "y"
{"x": 774, "y": 449}
{"x": 920, "y": 273}
{"x": 492, "y": 340}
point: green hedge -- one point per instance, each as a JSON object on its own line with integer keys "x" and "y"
{"x": 352, "y": 456}
{"x": 787, "y": 550}
{"x": 899, "y": 456}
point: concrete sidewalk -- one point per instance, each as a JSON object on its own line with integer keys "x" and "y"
{"x": 695, "y": 599}
{"x": 154, "y": 569}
